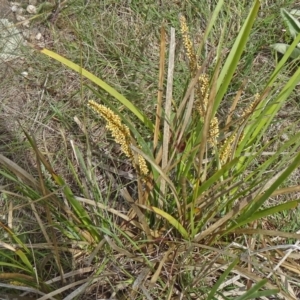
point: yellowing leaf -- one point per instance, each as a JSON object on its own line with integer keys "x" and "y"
{"x": 172, "y": 221}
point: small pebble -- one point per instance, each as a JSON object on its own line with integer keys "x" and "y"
{"x": 38, "y": 36}
{"x": 31, "y": 9}
{"x": 14, "y": 8}
{"x": 24, "y": 74}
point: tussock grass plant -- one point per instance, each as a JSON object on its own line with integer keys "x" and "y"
{"x": 190, "y": 223}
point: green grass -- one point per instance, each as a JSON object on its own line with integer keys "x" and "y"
{"x": 70, "y": 223}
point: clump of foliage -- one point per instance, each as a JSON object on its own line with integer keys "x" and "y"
{"x": 194, "y": 227}
{"x": 293, "y": 27}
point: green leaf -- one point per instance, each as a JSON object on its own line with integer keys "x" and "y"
{"x": 268, "y": 212}
{"x": 282, "y": 48}
{"x": 253, "y": 292}
{"x": 24, "y": 259}
{"x": 295, "y": 12}
{"x": 266, "y": 293}
{"x": 222, "y": 279}
{"x": 80, "y": 212}
{"x": 260, "y": 199}
{"x": 216, "y": 176}
{"x": 102, "y": 84}
{"x": 266, "y": 110}
{"x": 13, "y": 266}
{"x": 268, "y": 114}
{"x": 292, "y": 23}
{"x": 172, "y": 221}
{"x": 14, "y": 237}
{"x": 234, "y": 56}
{"x": 283, "y": 60}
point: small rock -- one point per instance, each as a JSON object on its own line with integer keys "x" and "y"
{"x": 24, "y": 74}
{"x": 32, "y": 2}
{"x": 14, "y": 8}
{"x": 38, "y": 36}
{"x": 31, "y": 9}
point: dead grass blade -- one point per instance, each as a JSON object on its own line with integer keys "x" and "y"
{"x": 67, "y": 287}
{"x": 111, "y": 210}
{"x": 46, "y": 207}
{"x": 78, "y": 291}
{"x": 169, "y": 96}
{"x": 178, "y": 135}
{"x": 282, "y": 234}
{"x": 124, "y": 193}
{"x": 18, "y": 171}
{"x": 189, "y": 90}
{"x": 12, "y": 287}
{"x": 117, "y": 248}
{"x": 288, "y": 190}
{"x": 91, "y": 257}
{"x": 252, "y": 276}
{"x": 11, "y": 233}
{"x": 227, "y": 217}
{"x": 138, "y": 283}
{"x": 163, "y": 175}
{"x": 234, "y": 103}
{"x": 160, "y": 86}
{"x": 81, "y": 272}
{"x": 161, "y": 263}
{"x": 7, "y": 246}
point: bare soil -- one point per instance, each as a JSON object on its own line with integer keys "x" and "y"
{"x": 5, "y": 11}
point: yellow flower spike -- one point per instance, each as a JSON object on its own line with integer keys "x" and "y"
{"x": 226, "y": 151}
{"x": 202, "y": 103}
{"x": 202, "y": 94}
{"x": 249, "y": 109}
{"x": 188, "y": 45}
{"x": 120, "y": 133}
{"x": 213, "y": 131}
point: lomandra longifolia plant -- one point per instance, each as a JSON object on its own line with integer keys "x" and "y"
{"x": 207, "y": 185}
{"x": 202, "y": 177}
